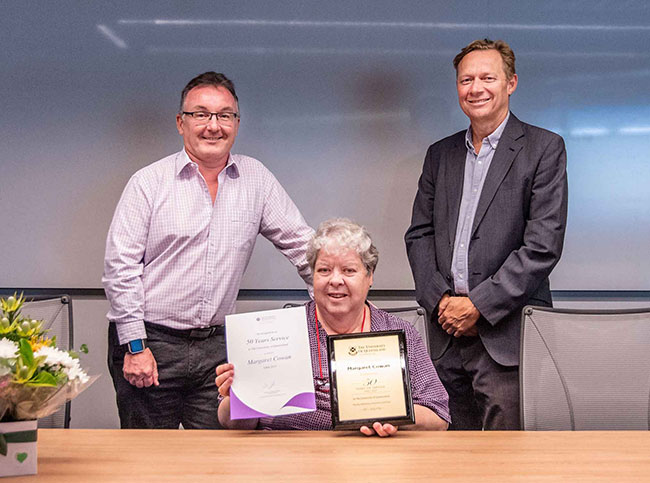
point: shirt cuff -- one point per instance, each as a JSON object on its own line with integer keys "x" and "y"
{"x": 128, "y": 331}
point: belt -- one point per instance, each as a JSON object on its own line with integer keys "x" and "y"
{"x": 200, "y": 333}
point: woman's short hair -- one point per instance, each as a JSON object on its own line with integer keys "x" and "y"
{"x": 337, "y": 233}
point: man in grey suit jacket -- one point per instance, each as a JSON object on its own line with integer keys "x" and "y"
{"x": 487, "y": 229}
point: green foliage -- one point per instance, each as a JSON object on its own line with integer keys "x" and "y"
{"x": 29, "y": 369}
{"x": 13, "y": 325}
{"x": 11, "y": 305}
{"x": 32, "y": 369}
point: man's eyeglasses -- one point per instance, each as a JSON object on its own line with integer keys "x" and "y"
{"x": 204, "y": 117}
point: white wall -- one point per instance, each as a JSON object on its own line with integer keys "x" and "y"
{"x": 339, "y": 99}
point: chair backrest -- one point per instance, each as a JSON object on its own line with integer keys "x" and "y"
{"x": 416, "y": 315}
{"x": 57, "y": 316}
{"x": 585, "y": 369}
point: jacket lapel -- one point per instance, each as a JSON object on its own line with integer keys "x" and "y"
{"x": 509, "y": 146}
{"x": 454, "y": 182}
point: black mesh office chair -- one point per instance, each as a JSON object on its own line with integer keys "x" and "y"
{"x": 585, "y": 369}
{"x": 56, "y": 313}
{"x": 415, "y": 315}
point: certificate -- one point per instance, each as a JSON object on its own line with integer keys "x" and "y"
{"x": 369, "y": 379}
{"x": 270, "y": 352}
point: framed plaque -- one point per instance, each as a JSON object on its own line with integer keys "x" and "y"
{"x": 369, "y": 379}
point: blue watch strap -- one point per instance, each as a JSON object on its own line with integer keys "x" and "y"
{"x": 136, "y": 346}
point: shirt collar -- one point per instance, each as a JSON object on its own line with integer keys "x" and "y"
{"x": 183, "y": 161}
{"x": 493, "y": 139}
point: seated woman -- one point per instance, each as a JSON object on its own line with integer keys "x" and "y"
{"x": 343, "y": 259}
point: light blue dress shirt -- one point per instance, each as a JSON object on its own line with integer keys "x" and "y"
{"x": 476, "y": 169}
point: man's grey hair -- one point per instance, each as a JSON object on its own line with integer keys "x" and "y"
{"x": 338, "y": 234}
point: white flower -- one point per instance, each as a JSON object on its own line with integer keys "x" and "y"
{"x": 76, "y": 372}
{"x": 59, "y": 359}
{"x": 8, "y": 349}
{"x": 54, "y": 357}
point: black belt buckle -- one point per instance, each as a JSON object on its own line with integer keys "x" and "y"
{"x": 205, "y": 332}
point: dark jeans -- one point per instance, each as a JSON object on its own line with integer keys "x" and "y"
{"x": 187, "y": 393}
{"x": 482, "y": 393}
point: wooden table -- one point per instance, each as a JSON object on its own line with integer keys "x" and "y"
{"x": 96, "y": 456}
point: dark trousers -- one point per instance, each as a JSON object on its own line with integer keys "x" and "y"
{"x": 187, "y": 393}
{"x": 482, "y": 393}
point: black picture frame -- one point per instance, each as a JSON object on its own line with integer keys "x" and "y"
{"x": 338, "y": 423}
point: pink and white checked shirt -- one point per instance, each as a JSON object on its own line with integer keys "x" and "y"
{"x": 175, "y": 259}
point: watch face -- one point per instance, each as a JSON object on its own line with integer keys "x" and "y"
{"x": 136, "y": 346}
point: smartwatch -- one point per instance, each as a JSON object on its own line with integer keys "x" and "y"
{"x": 136, "y": 346}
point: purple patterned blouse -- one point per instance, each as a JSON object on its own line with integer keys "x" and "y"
{"x": 426, "y": 388}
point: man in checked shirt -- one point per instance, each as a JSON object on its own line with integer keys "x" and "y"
{"x": 181, "y": 237}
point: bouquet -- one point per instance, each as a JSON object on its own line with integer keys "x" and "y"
{"x": 36, "y": 378}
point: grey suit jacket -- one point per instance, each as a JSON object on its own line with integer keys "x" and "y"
{"x": 517, "y": 235}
